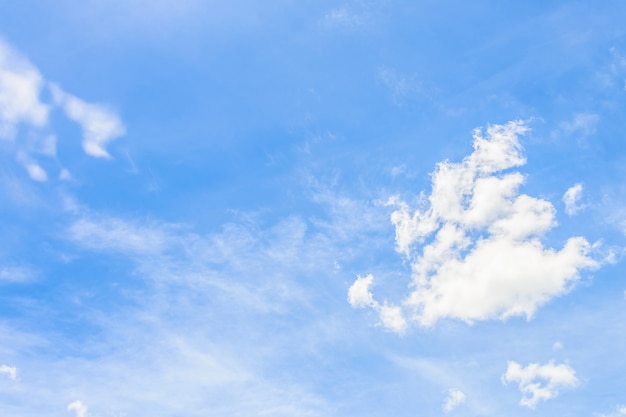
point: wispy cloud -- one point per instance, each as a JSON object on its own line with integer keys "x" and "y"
{"x": 455, "y": 398}
{"x": 581, "y": 125}
{"x": 484, "y": 257}
{"x": 9, "y": 273}
{"x": 10, "y": 371}
{"x": 78, "y": 407}
{"x": 100, "y": 124}
{"x": 20, "y": 86}
{"x": 539, "y": 382}
{"x": 571, "y": 198}
{"x": 619, "y": 411}
{"x": 401, "y": 87}
{"x": 24, "y": 116}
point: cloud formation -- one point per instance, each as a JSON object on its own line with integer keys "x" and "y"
{"x": 23, "y": 110}
{"x": 78, "y": 407}
{"x": 571, "y": 198}
{"x": 475, "y": 244}
{"x": 10, "y": 371}
{"x": 539, "y": 382}
{"x": 100, "y": 124}
{"x": 455, "y": 398}
{"x": 359, "y": 295}
{"x": 20, "y": 84}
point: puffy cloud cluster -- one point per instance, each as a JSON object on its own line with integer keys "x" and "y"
{"x": 475, "y": 245}
{"x": 539, "y": 382}
{"x": 21, "y": 107}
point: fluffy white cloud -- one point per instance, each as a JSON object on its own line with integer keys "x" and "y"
{"x": 100, "y": 124}
{"x": 10, "y": 371}
{"x": 78, "y": 407}
{"x": 475, "y": 244}
{"x": 539, "y": 382}
{"x": 455, "y": 398}
{"x": 359, "y": 295}
{"x": 571, "y": 198}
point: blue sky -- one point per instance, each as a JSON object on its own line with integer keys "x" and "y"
{"x": 359, "y": 208}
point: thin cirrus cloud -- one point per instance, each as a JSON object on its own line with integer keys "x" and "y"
{"x": 22, "y": 108}
{"x": 475, "y": 243}
{"x": 539, "y": 382}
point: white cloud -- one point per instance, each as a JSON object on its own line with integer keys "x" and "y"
{"x": 78, "y": 407}
{"x": 539, "y": 382}
{"x": 455, "y": 398}
{"x": 475, "y": 246}
{"x": 359, "y": 294}
{"x": 392, "y": 318}
{"x": 100, "y": 124}
{"x": 10, "y": 371}
{"x": 571, "y": 198}
{"x": 22, "y": 110}
{"x": 36, "y": 172}
{"x": 20, "y": 85}
{"x": 557, "y": 346}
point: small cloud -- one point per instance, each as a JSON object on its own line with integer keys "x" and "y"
{"x": 10, "y": 371}
{"x": 100, "y": 124}
{"x": 65, "y": 175}
{"x": 581, "y": 124}
{"x": 540, "y": 382}
{"x": 359, "y": 294}
{"x": 455, "y": 398}
{"x": 391, "y": 317}
{"x": 78, "y": 407}
{"x": 557, "y": 346}
{"x": 571, "y": 198}
{"x": 36, "y": 172}
{"x": 20, "y": 86}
